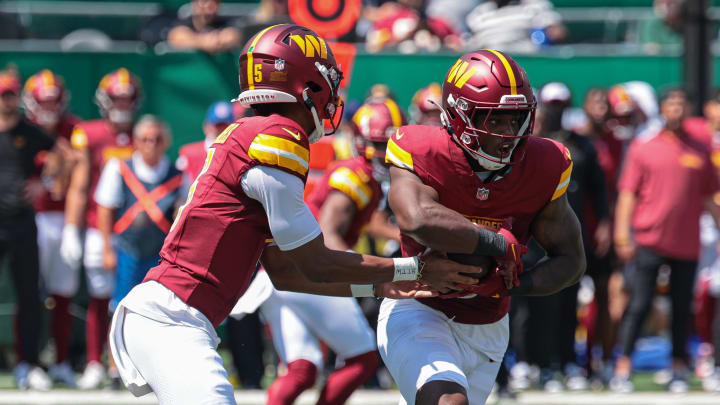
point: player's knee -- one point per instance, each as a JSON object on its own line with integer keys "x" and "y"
{"x": 303, "y": 373}
{"x": 441, "y": 393}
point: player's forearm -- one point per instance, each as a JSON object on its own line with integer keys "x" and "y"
{"x": 623, "y": 214}
{"x": 105, "y": 217}
{"x": 551, "y": 275}
{"x": 75, "y": 205}
{"x": 346, "y": 267}
{"x": 310, "y": 287}
{"x": 442, "y": 229}
{"x": 335, "y": 241}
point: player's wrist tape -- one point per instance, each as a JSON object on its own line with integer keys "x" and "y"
{"x": 406, "y": 268}
{"x": 490, "y": 244}
{"x": 362, "y": 290}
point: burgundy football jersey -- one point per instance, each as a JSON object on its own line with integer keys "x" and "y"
{"x": 542, "y": 176}
{"x": 103, "y": 143}
{"x": 45, "y": 202}
{"x": 210, "y": 254}
{"x": 352, "y": 177}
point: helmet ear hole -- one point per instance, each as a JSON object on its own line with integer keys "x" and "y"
{"x": 314, "y": 87}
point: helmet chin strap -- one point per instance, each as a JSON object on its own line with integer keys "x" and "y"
{"x": 319, "y": 130}
{"x": 487, "y": 163}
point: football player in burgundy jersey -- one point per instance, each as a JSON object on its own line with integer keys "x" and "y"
{"x": 45, "y": 99}
{"x": 248, "y": 194}
{"x": 95, "y": 142}
{"x": 344, "y": 201}
{"x": 452, "y": 188}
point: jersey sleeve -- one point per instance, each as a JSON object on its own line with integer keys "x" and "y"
{"x": 282, "y": 147}
{"x": 354, "y": 184}
{"x": 565, "y": 171}
{"x": 109, "y": 189}
{"x": 281, "y": 195}
{"x": 632, "y": 172}
{"x": 79, "y": 138}
{"x": 399, "y": 150}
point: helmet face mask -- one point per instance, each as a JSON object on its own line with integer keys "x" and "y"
{"x": 488, "y": 107}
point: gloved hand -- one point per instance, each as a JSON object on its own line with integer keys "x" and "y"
{"x": 71, "y": 247}
{"x": 512, "y": 260}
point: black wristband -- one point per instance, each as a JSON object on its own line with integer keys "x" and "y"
{"x": 489, "y": 243}
{"x": 525, "y": 287}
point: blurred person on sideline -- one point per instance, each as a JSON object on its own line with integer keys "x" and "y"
{"x": 587, "y": 197}
{"x": 45, "y": 99}
{"x": 424, "y": 107}
{"x": 191, "y": 156}
{"x": 204, "y": 30}
{"x": 20, "y": 143}
{"x": 94, "y": 143}
{"x": 405, "y": 24}
{"x": 667, "y": 181}
{"x": 137, "y": 199}
{"x": 515, "y": 25}
{"x": 610, "y": 152}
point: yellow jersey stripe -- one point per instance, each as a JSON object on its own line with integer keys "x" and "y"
{"x": 563, "y": 184}
{"x": 277, "y": 158}
{"x": 397, "y": 156}
{"x": 283, "y": 145}
{"x": 394, "y": 112}
{"x": 251, "y": 84}
{"x": 348, "y": 182}
{"x": 508, "y": 68}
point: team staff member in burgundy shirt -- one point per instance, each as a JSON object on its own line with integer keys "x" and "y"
{"x": 667, "y": 182}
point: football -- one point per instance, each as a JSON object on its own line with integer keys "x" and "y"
{"x": 487, "y": 263}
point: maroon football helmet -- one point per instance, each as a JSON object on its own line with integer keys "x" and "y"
{"x": 45, "y": 98}
{"x": 423, "y": 107}
{"x": 119, "y": 96}
{"x": 479, "y": 88}
{"x": 373, "y": 125}
{"x": 287, "y": 64}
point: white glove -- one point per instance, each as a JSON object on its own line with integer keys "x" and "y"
{"x": 71, "y": 248}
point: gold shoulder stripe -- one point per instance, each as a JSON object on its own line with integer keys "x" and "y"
{"x": 349, "y": 183}
{"x": 397, "y": 156}
{"x": 395, "y": 114}
{"x": 79, "y": 139}
{"x": 276, "y": 151}
{"x": 563, "y": 183}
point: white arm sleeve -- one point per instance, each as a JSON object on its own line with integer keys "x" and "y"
{"x": 281, "y": 194}
{"x": 109, "y": 189}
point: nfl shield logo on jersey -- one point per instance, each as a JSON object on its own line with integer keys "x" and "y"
{"x": 482, "y": 193}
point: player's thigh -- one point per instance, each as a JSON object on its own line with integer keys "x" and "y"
{"x": 481, "y": 379}
{"x": 337, "y": 321}
{"x": 179, "y": 363}
{"x": 291, "y": 337}
{"x": 417, "y": 346}
{"x": 58, "y": 277}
